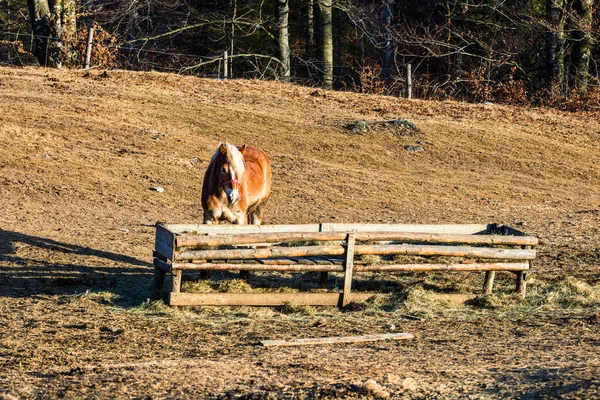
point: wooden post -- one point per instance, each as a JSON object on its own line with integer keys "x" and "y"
{"x": 521, "y": 286}
{"x": 408, "y": 81}
{"x": 159, "y": 279}
{"x": 489, "y": 282}
{"x": 225, "y": 64}
{"x": 176, "y": 281}
{"x": 323, "y": 280}
{"x": 349, "y": 265}
{"x": 88, "y": 49}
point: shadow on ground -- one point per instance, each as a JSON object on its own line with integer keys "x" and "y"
{"x": 72, "y": 269}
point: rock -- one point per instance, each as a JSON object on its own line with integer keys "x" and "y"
{"x": 405, "y": 125}
{"x": 359, "y": 127}
{"x": 158, "y": 189}
{"x": 391, "y": 327}
{"x": 194, "y": 160}
{"x": 413, "y": 149}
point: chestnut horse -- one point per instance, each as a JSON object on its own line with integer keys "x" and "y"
{"x": 237, "y": 185}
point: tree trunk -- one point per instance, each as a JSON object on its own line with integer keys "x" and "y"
{"x": 325, "y": 8}
{"x": 555, "y": 43}
{"x": 39, "y": 15}
{"x": 310, "y": 28}
{"x": 387, "y": 51}
{"x": 284, "y": 39}
{"x": 54, "y": 26}
{"x": 582, "y": 37}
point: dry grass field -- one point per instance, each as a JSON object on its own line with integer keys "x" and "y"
{"x": 79, "y": 154}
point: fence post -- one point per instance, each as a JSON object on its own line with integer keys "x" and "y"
{"x": 408, "y": 81}
{"x": 348, "y": 269}
{"x": 225, "y": 64}
{"x": 88, "y": 49}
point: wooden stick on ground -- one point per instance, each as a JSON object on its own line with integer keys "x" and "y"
{"x": 338, "y": 339}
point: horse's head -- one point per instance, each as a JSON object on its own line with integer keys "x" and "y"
{"x": 230, "y": 167}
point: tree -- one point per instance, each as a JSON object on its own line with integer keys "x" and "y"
{"x": 555, "y": 42}
{"x": 54, "y": 28}
{"x": 582, "y": 43}
{"x": 283, "y": 10}
{"x": 326, "y": 20}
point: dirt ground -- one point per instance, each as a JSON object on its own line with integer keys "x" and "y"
{"x": 79, "y": 154}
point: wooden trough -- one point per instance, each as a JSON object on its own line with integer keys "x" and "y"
{"x": 331, "y": 248}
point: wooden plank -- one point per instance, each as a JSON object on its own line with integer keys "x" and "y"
{"x": 511, "y": 267}
{"x": 397, "y": 236}
{"x": 165, "y": 250}
{"x": 258, "y": 267}
{"x": 163, "y": 233}
{"x": 453, "y": 228}
{"x": 159, "y": 279}
{"x": 406, "y": 249}
{"x": 337, "y": 339}
{"x": 226, "y": 228}
{"x": 304, "y": 261}
{"x": 348, "y": 267}
{"x": 321, "y": 261}
{"x": 261, "y": 299}
{"x": 163, "y": 266}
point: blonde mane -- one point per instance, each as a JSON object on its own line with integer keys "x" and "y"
{"x": 234, "y": 157}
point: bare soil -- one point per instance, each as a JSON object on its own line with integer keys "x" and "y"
{"x": 79, "y": 154}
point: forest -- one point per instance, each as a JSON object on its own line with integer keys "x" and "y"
{"x": 516, "y": 52}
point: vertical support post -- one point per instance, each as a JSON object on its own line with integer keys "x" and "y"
{"x": 521, "y": 286}
{"x": 349, "y": 267}
{"x": 159, "y": 280}
{"x": 408, "y": 81}
{"x": 489, "y": 281}
{"x": 225, "y": 62}
{"x": 88, "y": 49}
{"x": 176, "y": 281}
{"x": 323, "y": 280}
{"x": 245, "y": 275}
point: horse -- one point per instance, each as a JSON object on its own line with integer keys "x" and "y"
{"x": 237, "y": 185}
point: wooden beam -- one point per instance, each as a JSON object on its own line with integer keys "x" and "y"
{"x": 348, "y": 267}
{"x": 225, "y": 228}
{"x": 183, "y": 241}
{"x": 261, "y": 299}
{"x": 453, "y": 228}
{"x": 513, "y": 267}
{"x": 259, "y": 267}
{"x": 338, "y": 339}
{"x": 389, "y": 249}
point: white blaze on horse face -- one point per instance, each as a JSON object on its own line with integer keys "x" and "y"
{"x": 232, "y": 193}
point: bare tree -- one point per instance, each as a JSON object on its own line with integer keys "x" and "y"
{"x": 284, "y": 39}
{"x": 582, "y": 38}
{"x": 326, "y": 22}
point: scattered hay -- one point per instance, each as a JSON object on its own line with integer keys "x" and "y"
{"x": 102, "y": 297}
{"x": 201, "y": 286}
{"x": 370, "y": 259}
{"x": 235, "y": 286}
{"x": 290, "y": 308}
{"x": 423, "y": 302}
{"x": 157, "y": 307}
{"x": 570, "y": 293}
